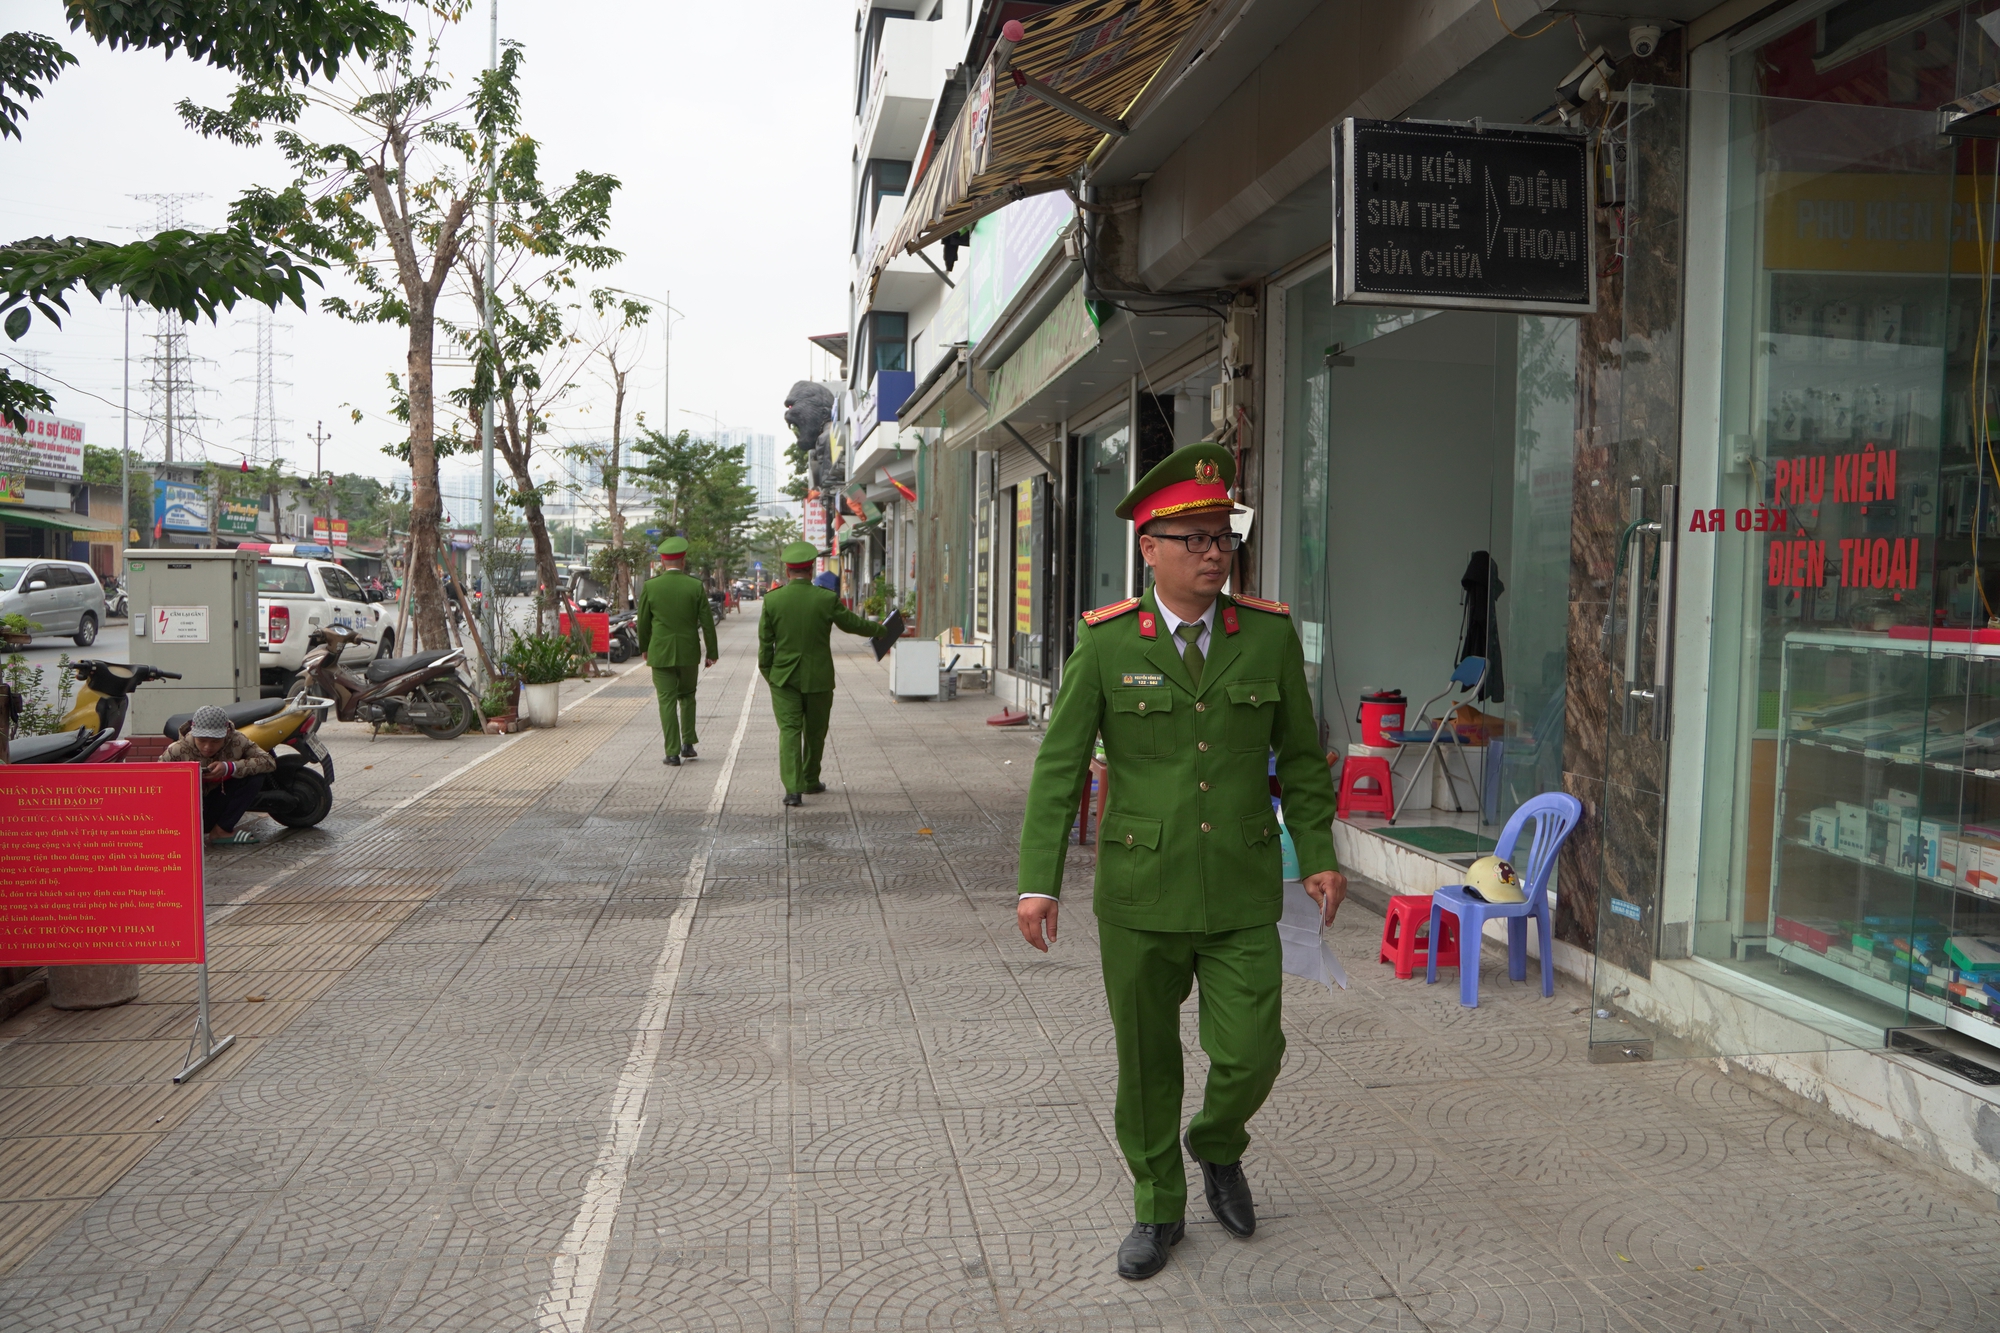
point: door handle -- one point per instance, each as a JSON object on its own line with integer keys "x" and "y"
{"x": 1633, "y": 549}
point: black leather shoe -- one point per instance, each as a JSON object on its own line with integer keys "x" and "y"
{"x": 687, "y": 752}
{"x": 1228, "y": 1195}
{"x": 793, "y": 798}
{"x": 1143, "y": 1252}
{"x": 672, "y": 761}
{"x": 816, "y": 789}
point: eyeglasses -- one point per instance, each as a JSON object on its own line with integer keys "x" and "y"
{"x": 1198, "y": 542}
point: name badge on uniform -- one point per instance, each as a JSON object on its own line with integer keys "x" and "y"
{"x": 1135, "y": 678}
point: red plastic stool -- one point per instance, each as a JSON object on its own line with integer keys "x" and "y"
{"x": 1405, "y": 943}
{"x": 1356, "y": 799}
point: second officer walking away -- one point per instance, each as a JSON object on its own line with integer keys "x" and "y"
{"x": 1191, "y": 691}
{"x": 794, "y": 651}
{"x": 674, "y": 618}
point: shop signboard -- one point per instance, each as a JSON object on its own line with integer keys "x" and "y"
{"x": 179, "y": 507}
{"x": 1061, "y": 340}
{"x": 330, "y": 531}
{"x": 1463, "y": 217}
{"x": 1024, "y": 558}
{"x": 102, "y": 864}
{"x": 816, "y": 522}
{"x": 49, "y": 447}
{"x": 1872, "y": 222}
{"x": 1006, "y": 247}
{"x": 237, "y": 518}
{"x": 14, "y": 488}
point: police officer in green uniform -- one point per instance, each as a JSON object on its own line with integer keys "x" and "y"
{"x": 794, "y": 635}
{"x": 674, "y": 617}
{"x": 1191, "y": 691}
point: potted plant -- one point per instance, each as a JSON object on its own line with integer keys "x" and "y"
{"x": 17, "y": 631}
{"x": 541, "y": 662}
{"x": 501, "y": 702}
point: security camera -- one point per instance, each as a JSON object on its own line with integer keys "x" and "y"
{"x": 1645, "y": 38}
{"x": 1585, "y": 82}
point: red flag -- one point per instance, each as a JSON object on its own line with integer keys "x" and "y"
{"x": 903, "y": 490}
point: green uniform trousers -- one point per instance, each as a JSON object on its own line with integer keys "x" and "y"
{"x": 675, "y": 687}
{"x": 802, "y": 718}
{"x": 1147, "y": 975}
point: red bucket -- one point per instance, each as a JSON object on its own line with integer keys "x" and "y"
{"x": 1381, "y": 714}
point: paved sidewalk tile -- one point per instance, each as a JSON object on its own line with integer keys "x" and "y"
{"x": 507, "y": 1065}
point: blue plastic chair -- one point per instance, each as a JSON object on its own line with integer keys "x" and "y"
{"x": 1467, "y": 675}
{"x": 1554, "y": 814}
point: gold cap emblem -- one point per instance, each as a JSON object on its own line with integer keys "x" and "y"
{"x": 1206, "y": 472}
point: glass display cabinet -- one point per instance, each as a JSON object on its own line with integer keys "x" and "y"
{"x": 1885, "y": 850}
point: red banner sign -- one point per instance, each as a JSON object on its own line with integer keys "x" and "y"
{"x": 100, "y": 863}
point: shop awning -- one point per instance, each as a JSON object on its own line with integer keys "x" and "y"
{"x": 1007, "y": 142}
{"x": 57, "y": 520}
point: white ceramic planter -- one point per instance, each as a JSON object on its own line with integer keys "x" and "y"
{"x": 539, "y": 703}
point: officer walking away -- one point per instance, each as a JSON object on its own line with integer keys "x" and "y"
{"x": 1191, "y": 691}
{"x": 794, "y": 652}
{"x": 673, "y": 611}
{"x": 232, "y": 772}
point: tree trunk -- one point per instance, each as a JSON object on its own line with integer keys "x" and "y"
{"x": 426, "y": 504}
{"x": 516, "y": 445}
{"x": 621, "y": 577}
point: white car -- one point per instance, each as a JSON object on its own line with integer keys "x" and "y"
{"x": 297, "y": 595}
{"x": 60, "y": 597}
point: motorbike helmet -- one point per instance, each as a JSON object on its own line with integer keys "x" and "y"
{"x": 1495, "y": 881}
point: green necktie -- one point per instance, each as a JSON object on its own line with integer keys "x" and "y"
{"x": 1190, "y": 634}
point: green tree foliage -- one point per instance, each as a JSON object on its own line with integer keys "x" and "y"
{"x": 191, "y": 273}
{"x": 702, "y": 491}
{"x": 259, "y": 39}
{"x": 392, "y": 206}
{"x": 769, "y": 538}
{"x": 27, "y": 60}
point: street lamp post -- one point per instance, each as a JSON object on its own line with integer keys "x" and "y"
{"x": 491, "y": 600}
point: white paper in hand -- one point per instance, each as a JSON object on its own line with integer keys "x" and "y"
{"x": 1306, "y": 954}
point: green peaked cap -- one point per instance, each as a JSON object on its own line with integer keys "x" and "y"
{"x": 1207, "y": 470}
{"x": 674, "y": 546}
{"x": 799, "y": 553}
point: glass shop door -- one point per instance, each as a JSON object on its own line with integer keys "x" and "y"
{"x": 1781, "y": 878}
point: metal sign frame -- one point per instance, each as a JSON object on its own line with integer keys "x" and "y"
{"x": 1347, "y": 244}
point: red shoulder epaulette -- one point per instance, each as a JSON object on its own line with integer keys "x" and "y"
{"x": 1111, "y": 612}
{"x": 1259, "y": 604}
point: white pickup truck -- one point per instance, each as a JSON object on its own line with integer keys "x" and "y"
{"x": 295, "y": 596}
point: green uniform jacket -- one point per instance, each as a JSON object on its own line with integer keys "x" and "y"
{"x": 794, "y": 634}
{"x": 674, "y": 616}
{"x": 1190, "y": 842}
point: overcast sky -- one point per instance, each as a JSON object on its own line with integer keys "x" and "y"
{"x": 727, "y": 124}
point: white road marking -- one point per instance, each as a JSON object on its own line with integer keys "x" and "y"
{"x": 579, "y": 1263}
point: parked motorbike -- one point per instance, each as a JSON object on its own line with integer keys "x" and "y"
{"x": 293, "y": 794}
{"x": 624, "y": 635}
{"x": 92, "y": 728}
{"x": 422, "y": 690}
{"x": 117, "y": 605}
{"x": 624, "y": 628}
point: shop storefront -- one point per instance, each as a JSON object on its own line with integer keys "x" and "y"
{"x": 1834, "y": 789}
{"x": 1739, "y": 526}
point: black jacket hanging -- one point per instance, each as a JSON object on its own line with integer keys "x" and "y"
{"x": 1481, "y": 621}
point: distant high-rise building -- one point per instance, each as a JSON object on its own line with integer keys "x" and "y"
{"x": 760, "y": 455}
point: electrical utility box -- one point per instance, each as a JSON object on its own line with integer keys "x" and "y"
{"x": 194, "y": 612}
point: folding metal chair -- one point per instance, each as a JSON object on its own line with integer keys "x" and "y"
{"x": 1467, "y": 675}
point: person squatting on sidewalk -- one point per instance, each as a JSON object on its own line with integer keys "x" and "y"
{"x": 232, "y": 774}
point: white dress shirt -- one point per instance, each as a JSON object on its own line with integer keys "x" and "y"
{"x": 1172, "y": 623}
